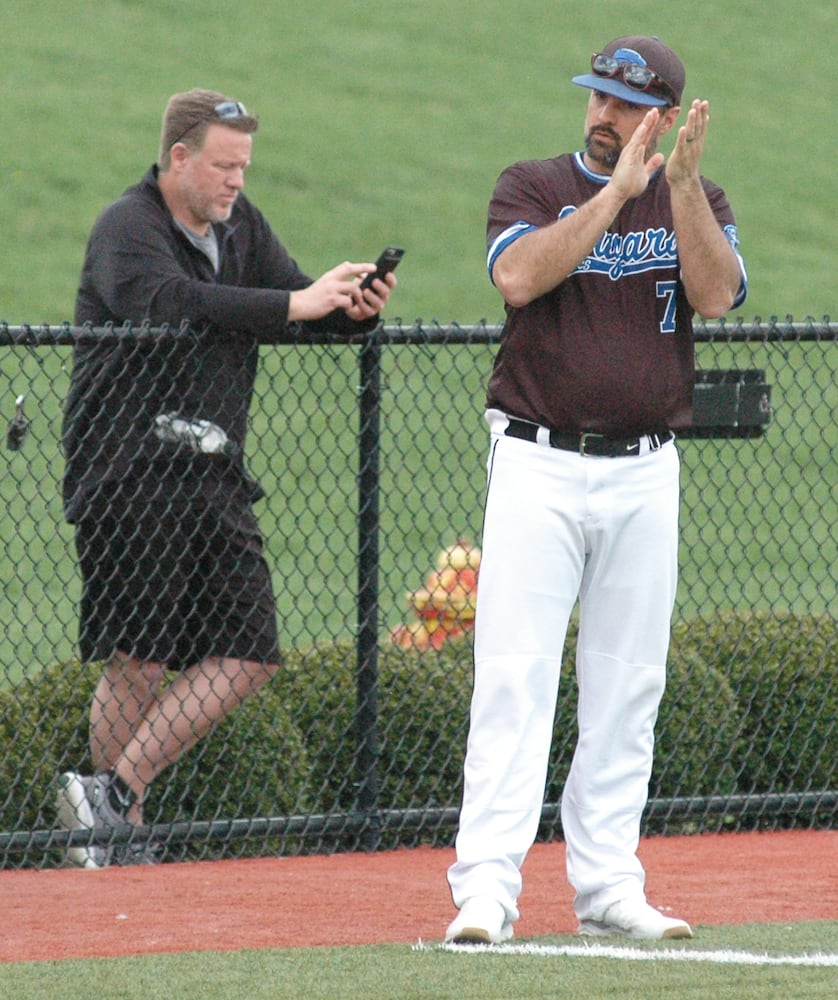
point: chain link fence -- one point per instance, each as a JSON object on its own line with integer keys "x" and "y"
{"x": 372, "y": 458}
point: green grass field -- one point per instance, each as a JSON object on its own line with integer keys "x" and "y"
{"x": 796, "y": 962}
{"x": 385, "y": 122}
{"x": 391, "y": 122}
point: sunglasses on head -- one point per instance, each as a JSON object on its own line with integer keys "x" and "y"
{"x": 223, "y": 111}
{"x": 633, "y": 75}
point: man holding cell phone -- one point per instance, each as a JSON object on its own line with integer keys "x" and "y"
{"x": 174, "y": 579}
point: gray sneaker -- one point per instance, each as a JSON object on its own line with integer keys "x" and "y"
{"x": 83, "y": 804}
{"x": 99, "y": 792}
{"x": 137, "y": 852}
{"x": 75, "y": 812}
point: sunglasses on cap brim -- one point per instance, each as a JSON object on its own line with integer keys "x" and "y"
{"x": 633, "y": 75}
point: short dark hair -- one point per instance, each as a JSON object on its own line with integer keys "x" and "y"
{"x": 188, "y": 116}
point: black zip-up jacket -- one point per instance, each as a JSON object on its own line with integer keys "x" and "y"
{"x": 140, "y": 267}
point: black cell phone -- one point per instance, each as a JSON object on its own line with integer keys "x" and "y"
{"x": 388, "y": 261}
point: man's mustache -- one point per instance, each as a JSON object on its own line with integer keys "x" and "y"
{"x": 604, "y": 130}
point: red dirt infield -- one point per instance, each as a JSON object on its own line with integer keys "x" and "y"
{"x": 394, "y": 896}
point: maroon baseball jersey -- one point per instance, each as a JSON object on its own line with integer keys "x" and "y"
{"x": 610, "y": 349}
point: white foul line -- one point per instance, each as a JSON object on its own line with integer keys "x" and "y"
{"x": 637, "y": 955}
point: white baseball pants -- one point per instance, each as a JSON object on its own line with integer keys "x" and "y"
{"x": 561, "y": 527}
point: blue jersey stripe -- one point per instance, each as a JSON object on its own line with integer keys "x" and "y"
{"x": 507, "y": 237}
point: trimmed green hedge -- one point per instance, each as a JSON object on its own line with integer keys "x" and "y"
{"x": 253, "y": 764}
{"x": 423, "y": 703}
{"x": 784, "y": 669}
{"x": 750, "y": 706}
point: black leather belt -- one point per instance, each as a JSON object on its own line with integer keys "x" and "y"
{"x": 587, "y": 443}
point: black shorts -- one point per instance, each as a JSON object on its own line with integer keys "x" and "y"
{"x": 174, "y": 579}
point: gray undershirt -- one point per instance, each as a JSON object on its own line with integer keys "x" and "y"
{"x": 208, "y": 245}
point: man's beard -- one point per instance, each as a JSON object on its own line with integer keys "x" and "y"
{"x": 606, "y": 156}
{"x": 205, "y": 209}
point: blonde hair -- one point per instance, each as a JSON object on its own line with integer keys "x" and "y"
{"x": 188, "y": 116}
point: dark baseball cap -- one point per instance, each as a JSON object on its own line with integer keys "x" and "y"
{"x": 647, "y": 52}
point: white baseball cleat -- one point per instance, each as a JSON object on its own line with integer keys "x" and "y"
{"x": 636, "y": 919}
{"x": 482, "y": 920}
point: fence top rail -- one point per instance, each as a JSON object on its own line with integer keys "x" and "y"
{"x": 396, "y": 332}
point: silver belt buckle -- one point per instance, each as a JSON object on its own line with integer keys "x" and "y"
{"x": 583, "y": 438}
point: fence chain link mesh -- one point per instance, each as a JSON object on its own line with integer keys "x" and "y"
{"x": 372, "y": 454}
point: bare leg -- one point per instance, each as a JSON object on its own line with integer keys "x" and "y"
{"x": 175, "y": 718}
{"x": 125, "y": 694}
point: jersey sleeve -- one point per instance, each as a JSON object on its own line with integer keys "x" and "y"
{"x": 724, "y": 216}
{"x": 520, "y": 203}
